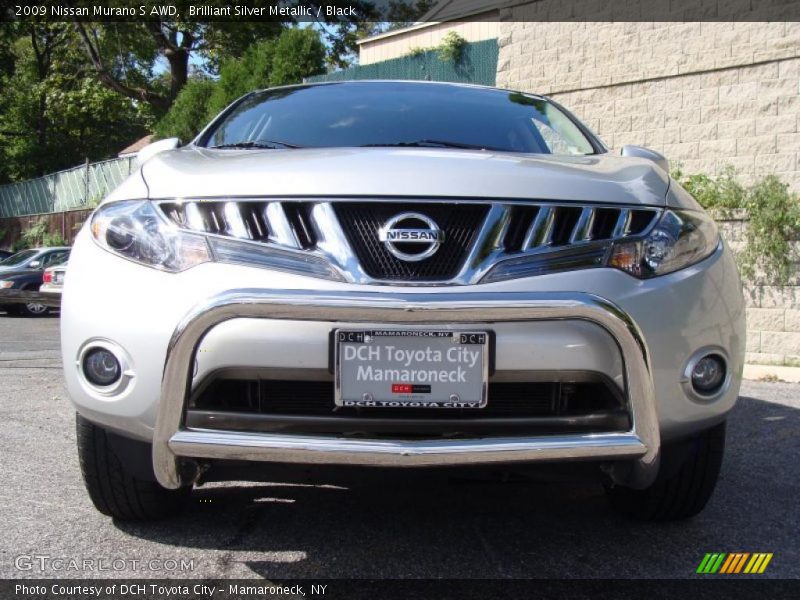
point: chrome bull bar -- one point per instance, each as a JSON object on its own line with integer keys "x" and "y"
{"x": 172, "y": 444}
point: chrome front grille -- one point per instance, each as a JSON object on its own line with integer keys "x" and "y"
{"x": 532, "y": 227}
{"x": 484, "y": 241}
{"x": 283, "y": 223}
{"x": 361, "y": 222}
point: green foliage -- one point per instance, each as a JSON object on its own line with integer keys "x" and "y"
{"x": 295, "y": 54}
{"x": 151, "y": 61}
{"x": 774, "y": 219}
{"x": 452, "y": 47}
{"x": 92, "y": 201}
{"x": 78, "y": 90}
{"x": 722, "y": 192}
{"x": 37, "y": 234}
{"x": 417, "y": 51}
{"x": 774, "y": 223}
{"x": 189, "y": 112}
{"x": 239, "y": 76}
{"x": 53, "y": 114}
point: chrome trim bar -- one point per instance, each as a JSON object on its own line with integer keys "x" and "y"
{"x": 582, "y": 232}
{"x": 488, "y": 247}
{"x": 623, "y": 225}
{"x": 281, "y": 231}
{"x": 541, "y": 230}
{"x": 332, "y": 242}
{"x": 171, "y": 441}
{"x": 234, "y": 223}
{"x": 194, "y": 218}
{"x": 307, "y": 449}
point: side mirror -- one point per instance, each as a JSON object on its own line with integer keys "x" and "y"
{"x": 642, "y": 152}
{"x": 35, "y": 264}
{"x": 158, "y": 147}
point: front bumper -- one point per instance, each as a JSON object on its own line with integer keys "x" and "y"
{"x": 641, "y": 337}
{"x": 171, "y": 442}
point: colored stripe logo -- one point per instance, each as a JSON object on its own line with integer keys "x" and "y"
{"x": 734, "y": 562}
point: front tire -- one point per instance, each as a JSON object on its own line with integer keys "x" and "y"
{"x": 686, "y": 479}
{"x": 112, "y": 485}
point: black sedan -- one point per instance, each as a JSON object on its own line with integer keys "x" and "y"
{"x": 24, "y": 271}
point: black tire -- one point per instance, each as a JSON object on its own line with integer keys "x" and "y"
{"x": 686, "y": 479}
{"x": 113, "y": 488}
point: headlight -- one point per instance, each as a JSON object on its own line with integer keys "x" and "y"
{"x": 139, "y": 231}
{"x": 4, "y": 285}
{"x": 680, "y": 239}
{"x": 135, "y": 230}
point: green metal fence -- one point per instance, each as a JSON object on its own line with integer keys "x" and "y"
{"x": 66, "y": 190}
{"x": 478, "y": 64}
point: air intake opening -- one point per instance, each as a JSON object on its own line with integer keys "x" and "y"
{"x": 521, "y": 219}
{"x": 308, "y": 406}
{"x": 565, "y": 221}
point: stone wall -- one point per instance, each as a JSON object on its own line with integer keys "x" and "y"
{"x": 706, "y": 94}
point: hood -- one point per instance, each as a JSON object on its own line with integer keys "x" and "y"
{"x": 408, "y": 172}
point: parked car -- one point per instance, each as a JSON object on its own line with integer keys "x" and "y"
{"x": 53, "y": 279}
{"x": 24, "y": 271}
{"x": 400, "y": 275}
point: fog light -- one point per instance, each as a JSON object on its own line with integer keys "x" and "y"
{"x": 101, "y": 367}
{"x": 708, "y": 374}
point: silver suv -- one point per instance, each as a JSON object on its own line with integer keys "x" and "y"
{"x": 400, "y": 275}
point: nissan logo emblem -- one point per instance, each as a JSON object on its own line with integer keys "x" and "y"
{"x": 411, "y": 236}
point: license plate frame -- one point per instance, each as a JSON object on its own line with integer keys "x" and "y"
{"x": 382, "y": 393}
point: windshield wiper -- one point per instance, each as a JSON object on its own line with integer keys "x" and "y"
{"x": 431, "y": 144}
{"x": 259, "y": 145}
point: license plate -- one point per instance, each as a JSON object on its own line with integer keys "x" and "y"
{"x": 411, "y": 368}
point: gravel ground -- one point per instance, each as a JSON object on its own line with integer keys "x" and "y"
{"x": 490, "y": 530}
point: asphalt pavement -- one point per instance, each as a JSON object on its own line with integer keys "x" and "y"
{"x": 391, "y": 530}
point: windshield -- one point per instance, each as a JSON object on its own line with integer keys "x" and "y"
{"x": 18, "y": 258}
{"x": 399, "y": 114}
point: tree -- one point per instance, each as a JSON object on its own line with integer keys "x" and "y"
{"x": 53, "y": 115}
{"x": 125, "y": 56}
{"x": 295, "y": 54}
{"x": 189, "y": 112}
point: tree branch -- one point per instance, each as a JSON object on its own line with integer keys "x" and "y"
{"x": 162, "y": 40}
{"x": 107, "y": 79}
